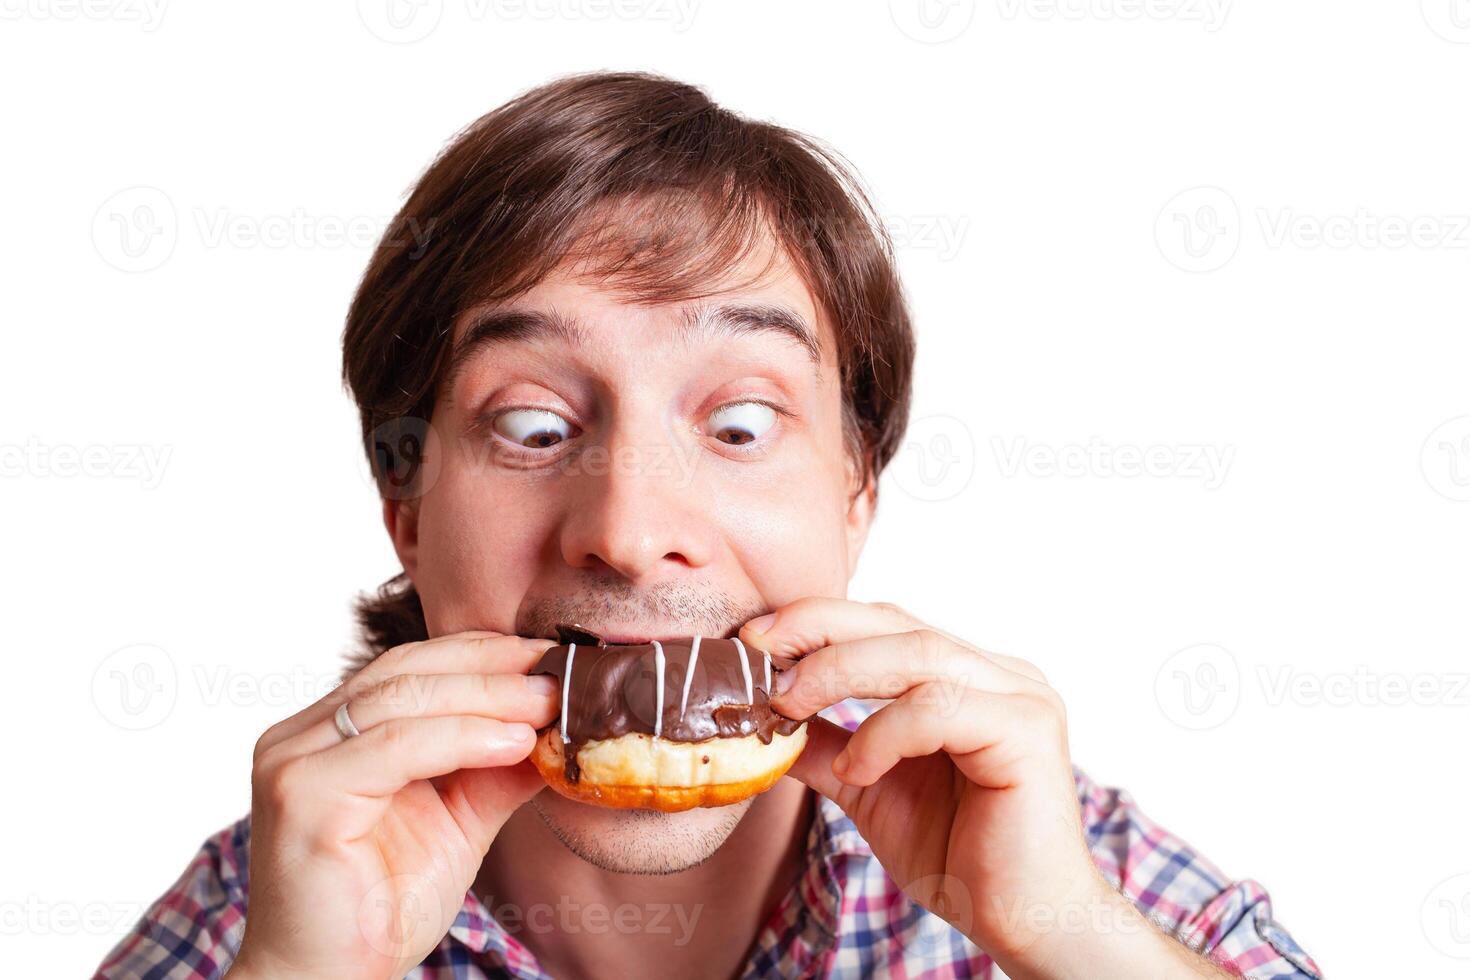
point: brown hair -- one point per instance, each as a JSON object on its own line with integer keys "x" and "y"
{"x": 687, "y": 189}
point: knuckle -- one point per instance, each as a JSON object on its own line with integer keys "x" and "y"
{"x": 892, "y": 609}
{"x": 394, "y": 733}
{"x": 399, "y": 691}
{"x": 280, "y": 785}
{"x": 929, "y": 647}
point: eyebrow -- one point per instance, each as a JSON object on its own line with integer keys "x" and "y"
{"x": 500, "y": 326}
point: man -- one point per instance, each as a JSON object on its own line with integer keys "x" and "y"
{"x": 627, "y": 360}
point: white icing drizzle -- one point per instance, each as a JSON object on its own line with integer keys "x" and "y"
{"x": 658, "y": 687}
{"x": 566, "y": 687}
{"x": 689, "y": 675}
{"x": 745, "y": 669}
{"x": 768, "y": 672}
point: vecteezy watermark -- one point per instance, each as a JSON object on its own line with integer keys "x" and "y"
{"x": 942, "y": 234}
{"x": 220, "y": 684}
{"x": 223, "y": 227}
{"x": 1201, "y": 687}
{"x": 408, "y": 454}
{"x": 37, "y": 916}
{"x": 1088, "y": 917}
{"x": 1450, "y": 19}
{"x": 1363, "y": 229}
{"x": 1445, "y": 916}
{"x": 936, "y": 460}
{"x": 1210, "y": 14}
{"x": 932, "y": 21}
{"x": 1361, "y": 687}
{"x": 136, "y": 687}
{"x": 1198, "y": 230}
{"x": 139, "y": 228}
{"x": 1198, "y": 688}
{"x": 408, "y": 21}
{"x": 1208, "y": 464}
{"x": 147, "y": 14}
{"x": 1445, "y": 459}
{"x": 141, "y": 462}
{"x": 567, "y": 916}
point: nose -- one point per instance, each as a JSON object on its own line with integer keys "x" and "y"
{"x": 633, "y": 509}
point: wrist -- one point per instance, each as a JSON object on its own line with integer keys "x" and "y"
{"x": 1097, "y": 933}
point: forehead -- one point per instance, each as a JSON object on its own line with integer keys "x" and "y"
{"x": 583, "y": 302}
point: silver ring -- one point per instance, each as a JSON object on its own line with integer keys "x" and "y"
{"x": 344, "y": 723}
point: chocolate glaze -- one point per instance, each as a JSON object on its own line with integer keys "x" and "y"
{"x": 614, "y": 690}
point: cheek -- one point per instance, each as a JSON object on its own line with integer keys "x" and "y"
{"x": 788, "y": 533}
{"x": 479, "y": 548}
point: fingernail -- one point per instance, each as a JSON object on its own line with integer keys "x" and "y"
{"x": 783, "y": 680}
{"x": 840, "y": 764}
{"x": 761, "y": 624}
{"x": 542, "y": 684}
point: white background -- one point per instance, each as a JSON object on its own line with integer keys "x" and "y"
{"x": 1301, "y": 321}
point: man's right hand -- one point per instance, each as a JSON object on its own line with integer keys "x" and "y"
{"x": 362, "y": 849}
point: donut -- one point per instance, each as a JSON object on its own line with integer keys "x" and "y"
{"x": 664, "y": 725}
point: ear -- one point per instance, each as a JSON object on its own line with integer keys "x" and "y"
{"x": 401, "y": 518}
{"x": 861, "y": 507}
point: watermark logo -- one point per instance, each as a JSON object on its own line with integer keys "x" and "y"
{"x": 951, "y": 907}
{"x": 932, "y": 21}
{"x": 400, "y": 21}
{"x": 401, "y": 916}
{"x": 936, "y": 460}
{"x": 1198, "y": 688}
{"x": 1450, "y": 19}
{"x": 1445, "y": 459}
{"x": 1199, "y": 229}
{"x": 136, "y": 687}
{"x": 1445, "y": 917}
{"x": 136, "y": 229}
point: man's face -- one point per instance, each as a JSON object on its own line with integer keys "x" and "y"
{"x": 647, "y": 471}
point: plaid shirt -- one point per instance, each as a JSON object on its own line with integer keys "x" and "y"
{"x": 844, "y": 919}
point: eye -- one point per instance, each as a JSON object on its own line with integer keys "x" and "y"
{"x": 741, "y": 422}
{"x": 533, "y": 427}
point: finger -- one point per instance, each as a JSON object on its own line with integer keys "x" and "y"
{"x": 476, "y": 651}
{"x": 481, "y": 800}
{"x": 824, "y": 743}
{"x": 384, "y": 759}
{"x": 813, "y": 622}
{"x": 506, "y": 697}
{"x": 886, "y": 667}
{"x": 989, "y": 736}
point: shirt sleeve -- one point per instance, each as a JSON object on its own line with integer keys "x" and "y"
{"x": 193, "y": 931}
{"x": 1185, "y": 895}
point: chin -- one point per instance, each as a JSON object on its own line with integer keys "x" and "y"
{"x": 638, "y": 842}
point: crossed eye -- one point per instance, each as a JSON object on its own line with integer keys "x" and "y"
{"x": 537, "y": 428}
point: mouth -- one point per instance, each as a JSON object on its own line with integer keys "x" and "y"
{"x": 625, "y": 636}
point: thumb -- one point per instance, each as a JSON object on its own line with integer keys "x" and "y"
{"x": 482, "y": 800}
{"x": 824, "y": 742}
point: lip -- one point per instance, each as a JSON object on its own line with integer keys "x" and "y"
{"x": 630, "y": 638}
